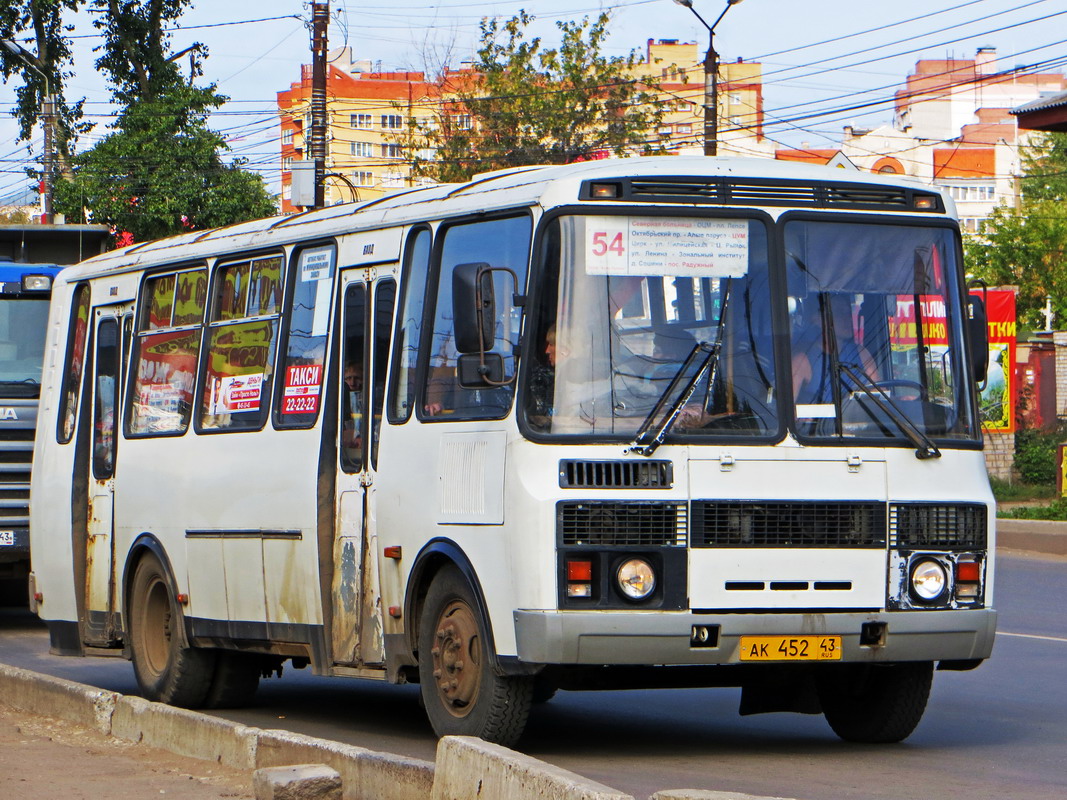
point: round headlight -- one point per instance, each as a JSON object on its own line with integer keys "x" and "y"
{"x": 928, "y": 580}
{"x": 636, "y": 578}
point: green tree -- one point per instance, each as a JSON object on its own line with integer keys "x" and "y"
{"x": 160, "y": 171}
{"x": 523, "y": 103}
{"x": 42, "y": 22}
{"x": 1027, "y": 245}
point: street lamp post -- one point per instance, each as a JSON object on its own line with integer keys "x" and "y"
{"x": 711, "y": 79}
{"x": 48, "y": 119}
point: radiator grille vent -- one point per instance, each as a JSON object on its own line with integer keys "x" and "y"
{"x": 16, "y": 453}
{"x": 630, "y": 524}
{"x": 616, "y": 474}
{"x": 737, "y": 523}
{"x": 915, "y": 526}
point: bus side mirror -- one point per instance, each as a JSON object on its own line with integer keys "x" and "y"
{"x": 473, "y": 307}
{"x": 480, "y": 370}
{"x": 978, "y": 333}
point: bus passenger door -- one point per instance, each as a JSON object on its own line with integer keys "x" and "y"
{"x": 367, "y": 311}
{"x": 106, "y": 388}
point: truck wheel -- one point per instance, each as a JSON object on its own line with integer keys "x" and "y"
{"x": 876, "y": 703}
{"x": 166, "y": 671}
{"x": 462, "y": 693}
{"x": 235, "y": 680}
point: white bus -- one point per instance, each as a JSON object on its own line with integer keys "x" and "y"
{"x": 629, "y": 423}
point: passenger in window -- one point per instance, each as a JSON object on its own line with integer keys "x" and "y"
{"x": 352, "y": 415}
{"x": 543, "y": 382}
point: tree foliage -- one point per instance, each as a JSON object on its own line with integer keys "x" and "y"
{"x": 160, "y": 171}
{"x": 524, "y": 103}
{"x": 42, "y": 21}
{"x": 1027, "y": 245}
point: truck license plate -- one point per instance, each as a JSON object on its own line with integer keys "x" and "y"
{"x": 7, "y": 538}
{"x": 790, "y": 648}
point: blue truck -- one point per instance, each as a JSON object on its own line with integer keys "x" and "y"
{"x": 24, "y": 294}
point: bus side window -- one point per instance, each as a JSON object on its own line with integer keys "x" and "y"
{"x": 384, "y": 301}
{"x": 77, "y": 333}
{"x": 242, "y": 334}
{"x": 500, "y": 243}
{"x": 309, "y": 296}
{"x": 354, "y": 388}
{"x": 409, "y": 326}
{"x": 166, "y": 345}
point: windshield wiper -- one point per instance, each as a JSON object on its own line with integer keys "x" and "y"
{"x": 704, "y": 355}
{"x": 924, "y": 447}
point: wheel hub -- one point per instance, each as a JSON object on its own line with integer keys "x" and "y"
{"x": 457, "y": 658}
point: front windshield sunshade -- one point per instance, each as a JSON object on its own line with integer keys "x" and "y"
{"x": 876, "y": 333}
{"x": 626, "y": 300}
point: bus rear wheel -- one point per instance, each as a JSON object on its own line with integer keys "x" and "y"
{"x": 462, "y": 692}
{"x": 876, "y": 703}
{"x": 166, "y": 671}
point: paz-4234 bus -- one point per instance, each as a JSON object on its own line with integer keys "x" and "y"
{"x": 630, "y": 423}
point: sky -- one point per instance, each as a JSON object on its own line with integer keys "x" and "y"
{"x": 821, "y": 58}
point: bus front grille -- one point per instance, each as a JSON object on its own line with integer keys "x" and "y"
{"x": 624, "y": 524}
{"x": 940, "y": 526}
{"x": 16, "y": 453}
{"x": 789, "y": 523}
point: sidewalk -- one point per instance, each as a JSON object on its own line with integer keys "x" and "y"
{"x": 49, "y": 759}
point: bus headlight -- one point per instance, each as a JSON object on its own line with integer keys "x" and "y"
{"x": 636, "y": 578}
{"x": 36, "y": 283}
{"x": 929, "y": 580}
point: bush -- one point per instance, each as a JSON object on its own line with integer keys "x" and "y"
{"x": 1035, "y": 453}
{"x": 1056, "y": 510}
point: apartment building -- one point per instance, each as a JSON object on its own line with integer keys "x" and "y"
{"x": 952, "y": 127}
{"x": 371, "y": 115}
{"x": 678, "y": 70}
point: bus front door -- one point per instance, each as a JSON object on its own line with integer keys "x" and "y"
{"x": 100, "y": 619}
{"x": 356, "y": 601}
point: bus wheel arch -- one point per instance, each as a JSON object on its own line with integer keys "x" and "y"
{"x": 167, "y": 668}
{"x": 437, "y": 555}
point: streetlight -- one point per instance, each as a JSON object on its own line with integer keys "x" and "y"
{"x": 711, "y": 82}
{"x": 47, "y": 112}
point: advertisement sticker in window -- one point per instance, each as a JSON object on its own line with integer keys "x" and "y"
{"x": 301, "y": 392}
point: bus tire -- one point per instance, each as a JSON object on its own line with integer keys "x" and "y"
{"x": 877, "y": 703}
{"x": 166, "y": 671}
{"x": 235, "y": 680}
{"x": 462, "y": 693}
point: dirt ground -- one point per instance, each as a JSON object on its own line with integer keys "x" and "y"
{"x": 45, "y": 758}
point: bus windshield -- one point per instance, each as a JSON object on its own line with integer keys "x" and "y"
{"x": 626, "y": 300}
{"x": 876, "y": 331}
{"x": 23, "y": 323}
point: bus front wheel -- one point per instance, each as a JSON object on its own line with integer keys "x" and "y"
{"x": 876, "y": 703}
{"x": 166, "y": 671}
{"x": 462, "y": 692}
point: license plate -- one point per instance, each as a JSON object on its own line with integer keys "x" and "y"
{"x": 790, "y": 648}
{"x": 7, "y": 538}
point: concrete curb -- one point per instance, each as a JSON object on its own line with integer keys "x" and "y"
{"x": 1032, "y": 535}
{"x": 466, "y": 768}
{"x": 469, "y": 768}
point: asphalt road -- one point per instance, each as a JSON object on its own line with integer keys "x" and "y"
{"x": 997, "y": 732}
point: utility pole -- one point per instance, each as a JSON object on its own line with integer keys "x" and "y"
{"x": 711, "y": 79}
{"x": 48, "y": 121}
{"x": 320, "y": 23}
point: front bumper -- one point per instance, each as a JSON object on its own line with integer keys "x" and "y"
{"x": 665, "y": 637}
